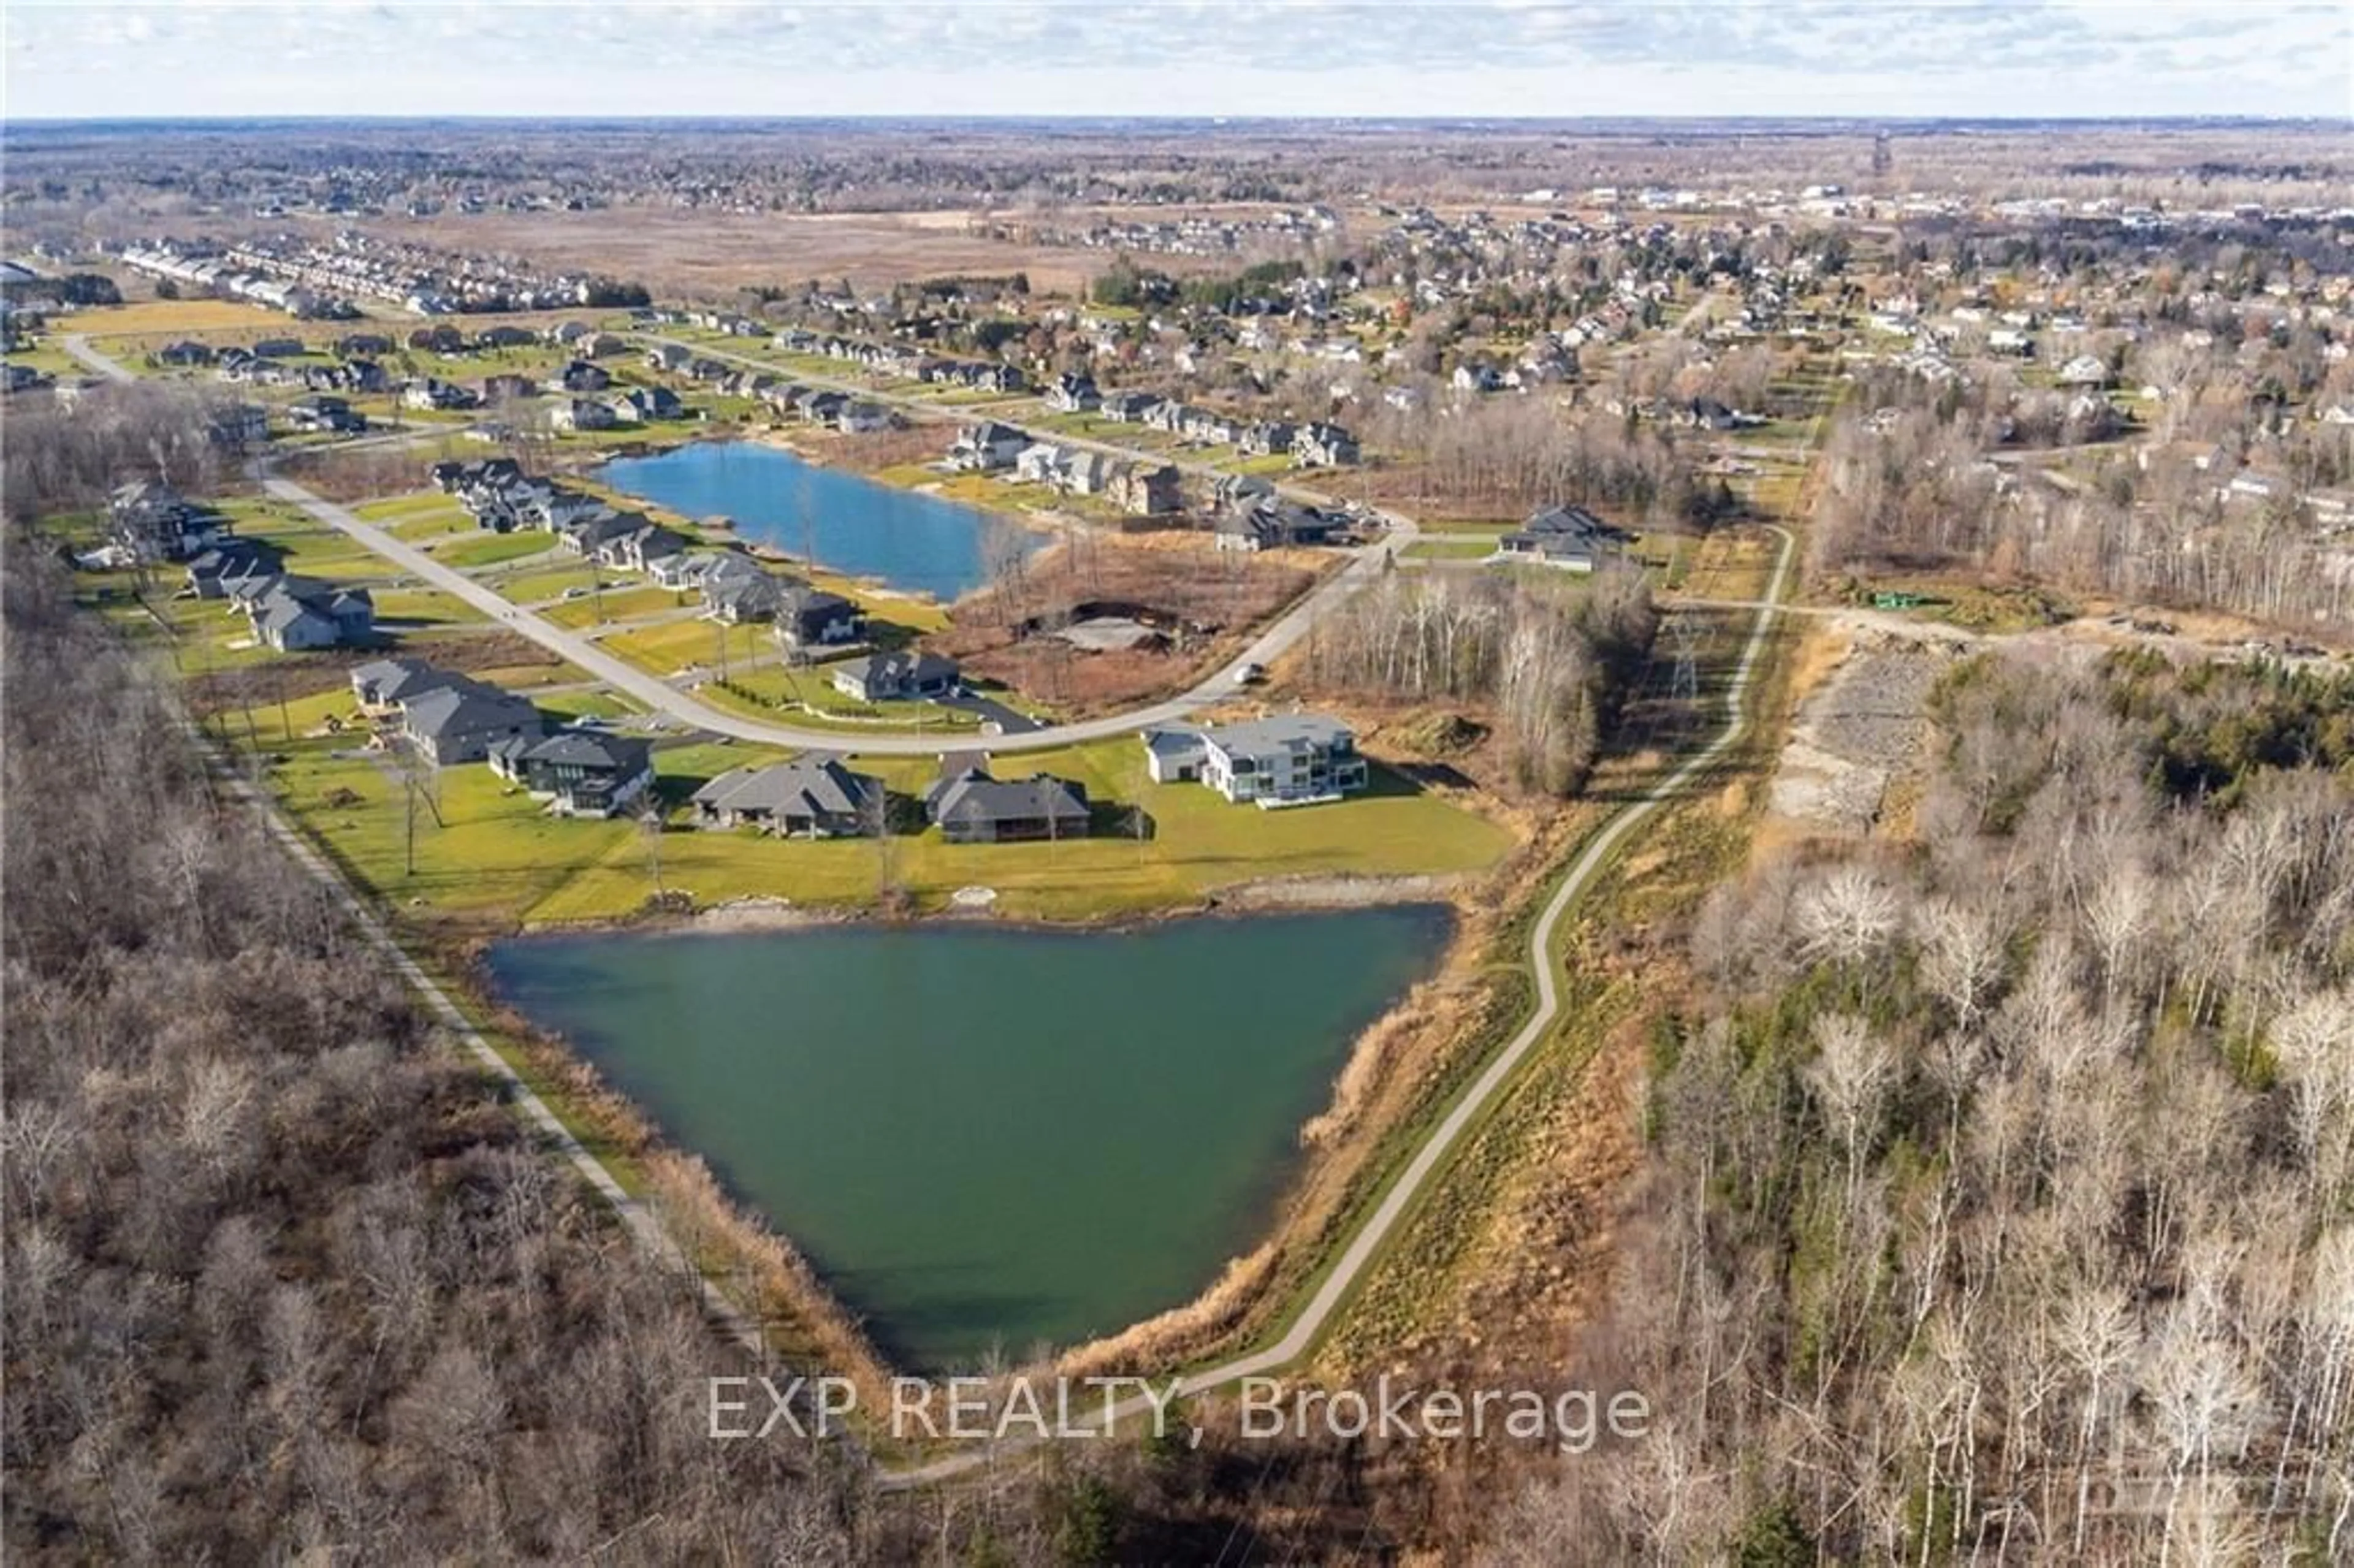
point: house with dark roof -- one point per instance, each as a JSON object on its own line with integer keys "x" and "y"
{"x": 809, "y": 617}
{"x": 895, "y": 677}
{"x": 969, "y": 807}
{"x": 387, "y": 684}
{"x": 156, "y": 523}
{"x": 813, "y": 796}
{"x": 460, "y": 722}
{"x": 1073, "y": 395}
{"x": 578, "y": 772}
{"x": 291, "y": 614}
{"x": 1271, "y": 523}
{"x": 1569, "y": 538}
{"x": 321, "y": 412}
{"x": 1129, "y": 407}
{"x": 1319, "y": 445}
{"x": 213, "y": 570}
{"x": 734, "y": 596}
{"x": 986, "y": 447}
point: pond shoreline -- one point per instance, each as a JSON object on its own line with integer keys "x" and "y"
{"x": 831, "y": 499}
{"x": 1312, "y": 894}
{"x": 642, "y": 1057}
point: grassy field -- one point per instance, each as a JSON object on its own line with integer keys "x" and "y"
{"x": 493, "y": 854}
{"x": 1454, "y": 547}
{"x": 489, "y": 549}
{"x": 168, "y": 316}
{"x": 48, "y": 359}
{"x": 616, "y": 603}
{"x": 675, "y": 645}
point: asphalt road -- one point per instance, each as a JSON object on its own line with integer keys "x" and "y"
{"x": 658, "y": 695}
{"x": 79, "y": 346}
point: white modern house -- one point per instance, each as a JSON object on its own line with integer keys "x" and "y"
{"x": 1292, "y": 759}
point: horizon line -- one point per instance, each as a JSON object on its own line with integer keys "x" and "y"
{"x": 691, "y": 116}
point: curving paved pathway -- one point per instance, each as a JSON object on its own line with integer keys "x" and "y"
{"x": 1366, "y": 1244}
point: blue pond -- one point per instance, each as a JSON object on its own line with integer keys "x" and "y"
{"x": 916, "y": 544}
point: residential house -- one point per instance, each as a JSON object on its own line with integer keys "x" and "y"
{"x": 638, "y": 405}
{"x": 1129, "y": 407}
{"x": 321, "y": 412}
{"x": 580, "y": 414}
{"x": 1270, "y": 523}
{"x": 813, "y": 796}
{"x": 1073, "y": 395}
{"x": 1289, "y": 760}
{"x": 432, "y": 393}
{"x": 291, "y": 614}
{"x": 2085, "y": 371}
{"x": 1144, "y": 490}
{"x": 156, "y": 523}
{"x": 453, "y": 477}
{"x": 579, "y": 376}
{"x": 581, "y": 773}
{"x": 686, "y": 569}
{"x": 738, "y": 598}
{"x": 1567, "y": 537}
{"x": 971, "y": 806}
{"x": 639, "y": 547}
{"x": 1266, "y": 438}
{"x": 387, "y": 684}
{"x": 808, "y": 616}
{"x": 860, "y": 419}
{"x": 1319, "y": 445}
{"x": 895, "y": 677}
{"x": 668, "y": 357}
{"x": 183, "y": 354}
{"x": 212, "y": 571}
{"x": 986, "y": 447}
{"x": 462, "y": 721}
{"x": 238, "y": 427}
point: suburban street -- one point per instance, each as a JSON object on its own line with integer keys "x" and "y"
{"x": 78, "y": 346}
{"x": 660, "y": 697}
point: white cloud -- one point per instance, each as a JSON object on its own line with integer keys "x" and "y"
{"x": 1945, "y": 58}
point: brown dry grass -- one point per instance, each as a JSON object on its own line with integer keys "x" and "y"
{"x": 1178, "y": 574}
{"x": 715, "y": 254}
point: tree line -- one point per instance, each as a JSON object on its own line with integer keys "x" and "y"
{"x": 1996, "y": 1201}
{"x": 1550, "y": 660}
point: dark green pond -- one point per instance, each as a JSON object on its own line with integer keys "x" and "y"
{"x": 989, "y": 1137}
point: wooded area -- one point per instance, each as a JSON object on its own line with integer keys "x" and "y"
{"x": 1996, "y": 1207}
{"x": 283, "y": 1276}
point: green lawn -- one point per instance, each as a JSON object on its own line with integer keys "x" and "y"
{"x": 1199, "y": 843}
{"x": 431, "y": 606}
{"x": 614, "y": 604}
{"x": 310, "y": 547}
{"x": 672, "y": 646}
{"x": 536, "y": 584}
{"x": 489, "y": 549}
{"x": 1455, "y": 547}
{"x": 494, "y": 853}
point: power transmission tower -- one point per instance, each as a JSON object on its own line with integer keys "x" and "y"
{"x": 1883, "y": 157}
{"x": 1683, "y": 634}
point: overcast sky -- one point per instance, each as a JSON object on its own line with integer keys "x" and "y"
{"x": 90, "y": 58}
